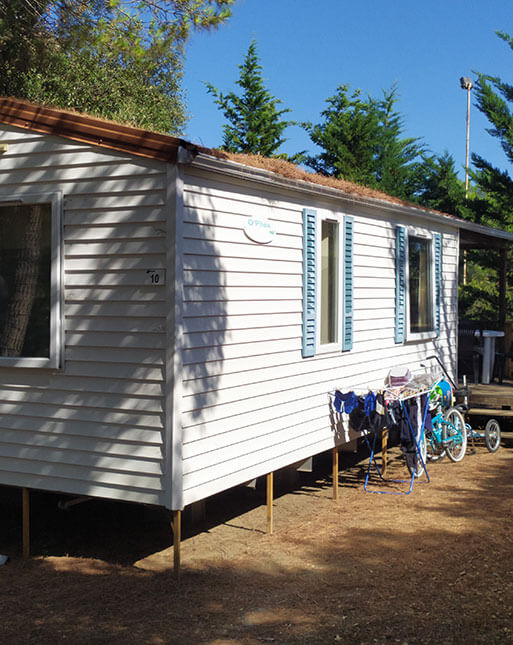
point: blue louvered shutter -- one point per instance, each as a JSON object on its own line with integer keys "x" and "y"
{"x": 438, "y": 280}
{"x": 400, "y": 284}
{"x": 347, "y": 291}
{"x": 309, "y": 282}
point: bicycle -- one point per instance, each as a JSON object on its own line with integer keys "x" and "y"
{"x": 448, "y": 435}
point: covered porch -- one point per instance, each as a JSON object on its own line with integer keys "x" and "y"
{"x": 483, "y": 347}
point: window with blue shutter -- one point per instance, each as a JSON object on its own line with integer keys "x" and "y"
{"x": 347, "y": 295}
{"x": 418, "y": 261}
{"x": 309, "y": 282}
{"x": 400, "y": 284}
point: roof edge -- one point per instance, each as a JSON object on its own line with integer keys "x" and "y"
{"x": 92, "y": 130}
{"x": 262, "y": 175}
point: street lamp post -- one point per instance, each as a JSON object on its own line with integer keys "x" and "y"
{"x": 466, "y": 84}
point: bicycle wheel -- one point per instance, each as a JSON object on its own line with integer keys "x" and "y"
{"x": 492, "y": 435}
{"x": 454, "y": 434}
{"x": 419, "y": 468}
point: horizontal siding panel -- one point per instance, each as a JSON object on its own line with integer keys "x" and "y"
{"x": 192, "y": 309}
{"x": 243, "y": 350}
{"x": 80, "y": 458}
{"x": 267, "y": 293}
{"x": 149, "y": 246}
{"x": 108, "y": 370}
{"x": 124, "y": 200}
{"x": 150, "y": 309}
{"x": 362, "y": 271}
{"x": 60, "y": 413}
{"x": 57, "y": 168}
{"x": 129, "y": 450}
{"x": 251, "y": 451}
{"x": 115, "y": 215}
{"x": 116, "y": 339}
{"x": 239, "y": 250}
{"x": 303, "y": 421}
{"x": 205, "y": 425}
{"x": 198, "y": 262}
{"x": 240, "y": 200}
{"x": 115, "y": 263}
{"x": 115, "y": 355}
{"x": 82, "y": 399}
{"x": 89, "y": 186}
{"x": 250, "y": 322}
{"x": 114, "y": 279}
{"x": 286, "y": 452}
{"x": 233, "y": 279}
{"x": 260, "y": 403}
{"x": 225, "y": 338}
{"x": 65, "y": 471}
{"x": 78, "y": 428}
{"x": 115, "y": 324}
{"x": 129, "y": 231}
{"x": 114, "y": 294}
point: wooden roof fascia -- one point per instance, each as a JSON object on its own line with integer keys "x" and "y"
{"x": 91, "y": 130}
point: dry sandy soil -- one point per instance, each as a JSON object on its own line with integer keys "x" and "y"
{"x": 432, "y": 567}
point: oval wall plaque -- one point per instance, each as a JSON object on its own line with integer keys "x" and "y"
{"x": 259, "y": 230}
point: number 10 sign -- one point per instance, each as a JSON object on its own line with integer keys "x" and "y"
{"x": 156, "y": 276}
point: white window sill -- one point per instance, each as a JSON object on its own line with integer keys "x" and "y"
{"x": 425, "y": 335}
{"x": 48, "y": 363}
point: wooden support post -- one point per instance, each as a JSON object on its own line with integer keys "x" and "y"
{"x": 335, "y": 473}
{"x": 270, "y": 502}
{"x": 503, "y": 265}
{"x": 177, "y": 538}
{"x": 384, "y": 446}
{"x": 25, "y": 496}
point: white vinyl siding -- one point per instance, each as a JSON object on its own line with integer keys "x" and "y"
{"x": 95, "y": 426}
{"x": 251, "y": 403}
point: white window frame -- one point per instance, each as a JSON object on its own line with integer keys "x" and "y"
{"x": 55, "y": 359}
{"x": 333, "y": 218}
{"x": 425, "y": 335}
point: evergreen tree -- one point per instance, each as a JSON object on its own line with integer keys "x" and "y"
{"x": 494, "y": 98}
{"x": 116, "y": 59}
{"x": 442, "y": 189}
{"x": 254, "y": 120}
{"x": 361, "y": 141}
{"x": 492, "y": 198}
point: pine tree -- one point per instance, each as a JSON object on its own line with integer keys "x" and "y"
{"x": 116, "y": 59}
{"x": 441, "y": 188}
{"x": 361, "y": 141}
{"x": 492, "y": 198}
{"x": 254, "y": 120}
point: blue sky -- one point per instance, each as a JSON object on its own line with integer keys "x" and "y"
{"x": 307, "y": 48}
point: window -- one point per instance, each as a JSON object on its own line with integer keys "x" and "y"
{"x": 418, "y": 285}
{"x": 329, "y": 301}
{"x": 327, "y": 283}
{"x": 29, "y": 286}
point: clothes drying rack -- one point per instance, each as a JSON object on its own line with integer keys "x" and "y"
{"x": 402, "y": 395}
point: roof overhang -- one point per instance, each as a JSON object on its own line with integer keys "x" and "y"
{"x": 88, "y": 129}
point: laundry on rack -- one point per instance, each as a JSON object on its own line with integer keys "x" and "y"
{"x": 366, "y": 413}
{"x": 349, "y": 401}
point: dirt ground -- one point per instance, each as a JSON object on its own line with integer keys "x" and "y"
{"x": 432, "y": 567}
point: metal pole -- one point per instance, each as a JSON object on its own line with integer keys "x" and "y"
{"x": 469, "y": 87}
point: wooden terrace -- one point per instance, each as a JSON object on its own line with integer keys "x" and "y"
{"x": 492, "y": 399}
